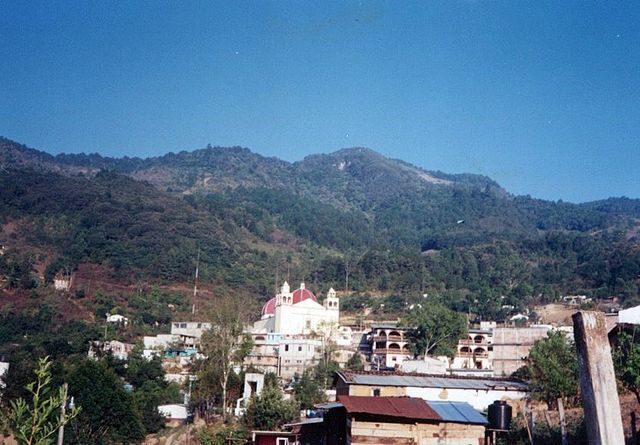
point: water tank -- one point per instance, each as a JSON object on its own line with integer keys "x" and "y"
{"x": 499, "y": 415}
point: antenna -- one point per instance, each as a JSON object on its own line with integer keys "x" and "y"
{"x": 195, "y": 285}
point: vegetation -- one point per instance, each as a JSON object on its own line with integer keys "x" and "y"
{"x": 626, "y": 358}
{"x": 37, "y": 422}
{"x": 269, "y": 411}
{"x": 224, "y": 344}
{"x": 553, "y": 369}
{"x": 434, "y": 329}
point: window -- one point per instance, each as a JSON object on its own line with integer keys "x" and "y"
{"x": 176, "y": 325}
{"x": 199, "y": 325}
{"x": 282, "y": 441}
{"x": 376, "y": 392}
{"x": 286, "y": 347}
{"x": 299, "y": 348}
{"x": 308, "y": 324}
{"x": 183, "y": 325}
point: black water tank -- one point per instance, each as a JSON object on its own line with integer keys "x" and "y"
{"x": 500, "y": 415}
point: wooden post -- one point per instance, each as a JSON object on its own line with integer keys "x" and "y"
{"x": 597, "y": 380}
{"x": 563, "y": 423}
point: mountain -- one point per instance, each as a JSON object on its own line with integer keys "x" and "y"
{"x": 391, "y": 226}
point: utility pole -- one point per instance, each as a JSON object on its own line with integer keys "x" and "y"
{"x": 63, "y": 408}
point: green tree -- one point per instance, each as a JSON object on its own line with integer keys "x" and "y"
{"x": 355, "y": 362}
{"x": 37, "y": 422}
{"x": 307, "y": 392}
{"x": 269, "y": 411}
{"x": 225, "y": 344}
{"x": 434, "y": 329}
{"x": 109, "y": 412}
{"x": 626, "y": 358}
{"x": 553, "y": 367}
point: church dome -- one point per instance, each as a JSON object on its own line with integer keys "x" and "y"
{"x": 301, "y": 294}
{"x": 269, "y": 308}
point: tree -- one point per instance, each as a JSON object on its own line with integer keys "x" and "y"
{"x": 553, "y": 366}
{"x": 269, "y": 411}
{"x": 37, "y": 423}
{"x": 307, "y": 392}
{"x": 434, "y": 329}
{"x": 626, "y": 358}
{"x": 109, "y": 412}
{"x": 225, "y": 344}
{"x": 355, "y": 362}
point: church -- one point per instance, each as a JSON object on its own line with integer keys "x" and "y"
{"x": 298, "y": 312}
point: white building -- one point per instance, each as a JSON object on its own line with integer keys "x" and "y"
{"x": 117, "y": 319}
{"x": 118, "y": 349}
{"x": 298, "y": 312}
{"x": 189, "y": 332}
{"x": 4, "y": 369}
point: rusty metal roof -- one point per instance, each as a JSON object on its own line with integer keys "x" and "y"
{"x": 429, "y": 381}
{"x": 399, "y": 407}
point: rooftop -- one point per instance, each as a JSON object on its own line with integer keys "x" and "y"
{"x": 381, "y": 378}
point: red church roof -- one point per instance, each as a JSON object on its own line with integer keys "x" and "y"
{"x": 299, "y": 295}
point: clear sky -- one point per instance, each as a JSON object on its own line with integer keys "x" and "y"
{"x": 543, "y": 97}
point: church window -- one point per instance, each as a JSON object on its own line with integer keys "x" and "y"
{"x": 299, "y": 348}
{"x": 286, "y": 347}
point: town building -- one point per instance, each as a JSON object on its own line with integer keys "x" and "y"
{"x": 478, "y": 392}
{"x": 511, "y": 346}
{"x": 402, "y": 421}
{"x": 189, "y": 332}
{"x": 116, "y": 348}
{"x": 389, "y": 346}
{"x": 474, "y": 353}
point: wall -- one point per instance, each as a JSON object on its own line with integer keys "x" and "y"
{"x": 511, "y": 347}
{"x": 444, "y": 433}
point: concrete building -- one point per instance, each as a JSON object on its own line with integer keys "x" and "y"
{"x": 389, "y": 346}
{"x": 474, "y": 352}
{"x": 511, "y": 346}
{"x": 189, "y": 332}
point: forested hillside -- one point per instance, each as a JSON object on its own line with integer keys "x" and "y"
{"x": 384, "y": 225}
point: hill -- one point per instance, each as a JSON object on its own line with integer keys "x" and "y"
{"x": 382, "y": 224}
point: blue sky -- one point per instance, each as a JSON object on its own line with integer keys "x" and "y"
{"x": 541, "y": 96}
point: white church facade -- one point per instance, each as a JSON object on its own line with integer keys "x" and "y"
{"x": 298, "y": 312}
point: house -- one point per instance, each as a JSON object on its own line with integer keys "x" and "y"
{"x": 117, "y": 319}
{"x": 4, "y": 369}
{"x": 629, "y": 316}
{"x": 402, "y": 421}
{"x": 478, "y": 392}
{"x": 189, "y": 332}
{"x": 273, "y": 438}
{"x": 473, "y": 353}
{"x": 389, "y": 346}
{"x": 174, "y": 414}
{"x": 511, "y": 346}
{"x": 116, "y": 348}
{"x": 427, "y": 365}
{"x": 297, "y": 354}
{"x": 62, "y": 282}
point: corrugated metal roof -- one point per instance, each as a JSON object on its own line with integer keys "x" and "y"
{"x": 429, "y": 381}
{"x": 400, "y": 407}
{"x": 459, "y": 412}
